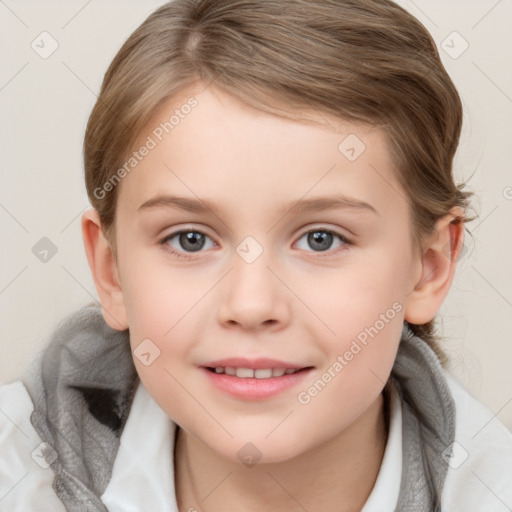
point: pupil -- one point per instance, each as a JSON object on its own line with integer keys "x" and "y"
{"x": 192, "y": 241}
{"x": 320, "y": 240}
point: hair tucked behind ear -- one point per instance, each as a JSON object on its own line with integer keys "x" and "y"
{"x": 366, "y": 61}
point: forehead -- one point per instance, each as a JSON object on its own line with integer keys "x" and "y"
{"x": 207, "y": 144}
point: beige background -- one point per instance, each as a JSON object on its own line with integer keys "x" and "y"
{"x": 44, "y": 105}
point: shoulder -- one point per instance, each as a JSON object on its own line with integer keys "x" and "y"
{"x": 479, "y": 460}
{"x": 26, "y": 476}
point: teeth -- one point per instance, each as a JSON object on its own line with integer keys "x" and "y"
{"x": 250, "y": 373}
{"x": 265, "y": 373}
{"x": 244, "y": 373}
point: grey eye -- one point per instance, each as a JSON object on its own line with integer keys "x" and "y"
{"x": 320, "y": 240}
{"x": 188, "y": 241}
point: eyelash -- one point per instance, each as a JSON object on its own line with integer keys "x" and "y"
{"x": 318, "y": 254}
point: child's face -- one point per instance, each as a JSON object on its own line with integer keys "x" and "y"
{"x": 259, "y": 287}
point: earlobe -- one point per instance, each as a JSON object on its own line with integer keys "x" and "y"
{"x": 104, "y": 271}
{"x": 438, "y": 264}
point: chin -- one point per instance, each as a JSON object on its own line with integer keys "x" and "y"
{"x": 249, "y": 449}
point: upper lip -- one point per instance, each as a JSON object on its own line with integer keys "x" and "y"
{"x": 256, "y": 364}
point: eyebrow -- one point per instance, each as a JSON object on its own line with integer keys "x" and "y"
{"x": 296, "y": 207}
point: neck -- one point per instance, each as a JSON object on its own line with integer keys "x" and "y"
{"x": 337, "y": 475}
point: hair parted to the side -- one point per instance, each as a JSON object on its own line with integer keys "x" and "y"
{"x": 367, "y": 61}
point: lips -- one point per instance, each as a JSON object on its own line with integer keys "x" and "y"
{"x": 253, "y": 379}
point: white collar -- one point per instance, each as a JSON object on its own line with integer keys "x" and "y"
{"x": 143, "y": 472}
{"x": 385, "y": 492}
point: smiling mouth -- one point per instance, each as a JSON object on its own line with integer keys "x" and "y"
{"x": 251, "y": 373}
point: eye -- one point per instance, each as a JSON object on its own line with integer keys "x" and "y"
{"x": 187, "y": 241}
{"x": 321, "y": 240}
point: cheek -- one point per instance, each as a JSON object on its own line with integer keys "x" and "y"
{"x": 158, "y": 297}
{"x": 362, "y": 312}
{"x": 348, "y": 300}
{"x": 164, "y": 308}
{"x": 356, "y": 370}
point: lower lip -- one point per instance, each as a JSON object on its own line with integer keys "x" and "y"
{"x": 252, "y": 388}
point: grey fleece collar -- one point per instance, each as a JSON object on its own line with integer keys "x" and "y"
{"x": 83, "y": 385}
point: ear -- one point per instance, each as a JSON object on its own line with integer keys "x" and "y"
{"x": 104, "y": 271}
{"x": 438, "y": 263}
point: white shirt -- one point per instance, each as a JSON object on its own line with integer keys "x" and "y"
{"x": 479, "y": 478}
{"x": 384, "y": 495}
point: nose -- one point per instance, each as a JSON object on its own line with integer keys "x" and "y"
{"x": 253, "y": 298}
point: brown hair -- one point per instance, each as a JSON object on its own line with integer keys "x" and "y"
{"x": 366, "y": 61}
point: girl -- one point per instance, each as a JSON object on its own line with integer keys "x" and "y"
{"x": 274, "y": 228}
